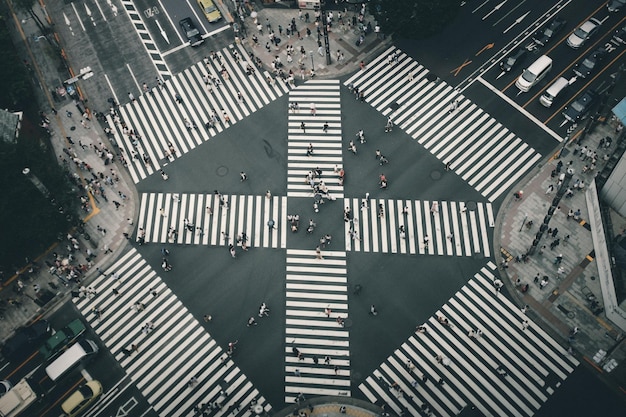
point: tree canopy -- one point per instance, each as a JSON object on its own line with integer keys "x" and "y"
{"x": 414, "y": 19}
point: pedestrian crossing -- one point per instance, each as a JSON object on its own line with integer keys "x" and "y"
{"x": 508, "y": 370}
{"x": 168, "y": 122}
{"x": 313, "y": 105}
{"x": 313, "y": 286}
{"x": 456, "y": 131}
{"x": 165, "y": 362}
{"x": 430, "y": 227}
{"x": 201, "y": 219}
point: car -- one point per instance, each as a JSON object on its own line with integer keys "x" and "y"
{"x": 209, "y": 9}
{"x": 62, "y": 338}
{"x": 583, "y": 32}
{"x": 615, "y": 6}
{"x": 513, "y": 60}
{"x": 543, "y": 37}
{"x": 191, "y": 32}
{"x": 26, "y": 340}
{"x": 590, "y": 63}
{"x": 620, "y": 35}
{"x": 5, "y": 386}
{"x": 580, "y": 107}
{"x": 82, "y": 398}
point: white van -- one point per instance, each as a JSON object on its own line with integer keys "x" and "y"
{"x": 535, "y": 73}
{"x": 71, "y": 357}
{"x": 553, "y": 91}
{"x": 18, "y": 399}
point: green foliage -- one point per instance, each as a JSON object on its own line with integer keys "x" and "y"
{"x": 29, "y": 221}
{"x": 414, "y": 19}
{"x": 15, "y": 82}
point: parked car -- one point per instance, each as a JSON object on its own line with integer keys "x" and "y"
{"x": 582, "y": 33}
{"x": 26, "y": 340}
{"x": 82, "y": 398}
{"x": 209, "y": 9}
{"x": 62, "y": 338}
{"x": 191, "y": 32}
{"x": 590, "y": 63}
{"x": 580, "y": 107}
{"x": 513, "y": 60}
{"x": 543, "y": 37}
{"x": 5, "y": 386}
{"x": 620, "y": 35}
{"x": 615, "y": 6}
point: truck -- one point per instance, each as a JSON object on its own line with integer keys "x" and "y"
{"x": 62, "y": 338}
{"x": 17, "y": 399}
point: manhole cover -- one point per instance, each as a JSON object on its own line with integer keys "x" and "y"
{"x": 221, "y": 171}
{"x": 435, "y": 175}
{"x": 471, "y": 205}
{"x": 571, "y": 315}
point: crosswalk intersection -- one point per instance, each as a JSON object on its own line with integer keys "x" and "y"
{"x": 429, "y": 227}
{"x": 510, "y": 368}
{"x": 456, "y": 131}
{"x": 317, "y": 302}
{"x": 171, "y": 121}
{"x": 201, "y": 219}
{"x": 176, "y": 349}
{"x": 318, "y": 104}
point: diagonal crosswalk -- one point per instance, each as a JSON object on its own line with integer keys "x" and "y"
{"x": 428, "y": 227}
{"x": 477, "y": 148}
{"x": 165, "y": 362}
{"x": 316, "y": 103}
{"x": 313, "y": 286}
{"x": 168, "y": 122}
{"x": 510, "y": 369}
{"x": 211, "y": 219}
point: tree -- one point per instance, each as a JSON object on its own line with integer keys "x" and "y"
{"x": 414, "y": 19}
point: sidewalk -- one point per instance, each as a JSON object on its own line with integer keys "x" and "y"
{"x": 339, "y": 40}
{"x": 102, "y": 214}
{"x": 562, "y": 304}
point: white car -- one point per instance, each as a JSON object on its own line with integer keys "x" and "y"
{"x": 582, "y": 33}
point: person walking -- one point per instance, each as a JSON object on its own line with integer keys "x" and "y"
{"x": 318, "y": 253}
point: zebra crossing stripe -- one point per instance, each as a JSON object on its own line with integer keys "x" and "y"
{"x": 313, "y": 286}
{"x": 327, "y": 146}
{"x": 212, "y": 222}
{"x": 534, "y": 364}
{"x": 490, "y": 162}
{"x": 160, "y": 120}
{"x": 452, "y": 229}
{"x": 162, "y": 366}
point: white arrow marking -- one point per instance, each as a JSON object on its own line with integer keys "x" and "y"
{"x": 495, "y": 9}
{"x": 162, "y": 31}
{"x": 89, "y": 14}
{"x": 68, "y": 23}
{"x": 517, "y": 22}
{"x": 501, "y": 74}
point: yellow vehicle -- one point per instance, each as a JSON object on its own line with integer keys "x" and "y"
{"x": 82, "y": 398}
{"x": 211, "y": 12}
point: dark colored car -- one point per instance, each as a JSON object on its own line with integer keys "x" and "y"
{"x": 580, "y": 107}
{"x": 191, "y": 31}
{"x": 615, "y": 6}
{"x": 26, "y": 340}
{"x": 543, "y": 37}
{"x": 590, "y": 63}
{"x": 513, "y": 60}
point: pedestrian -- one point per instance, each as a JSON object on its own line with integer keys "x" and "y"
{"x": 231, "y": 249}
{"x": 271, "y": 225}
{"x": 252, "y": 321}
{"x": 313, "y": 109}
{"x": 309, "y": 150}
{"x": 296, "y": 372}
{"x": 243, "y": 176}
{"x": 373, "y": 310}
{"x": 303, "y": 127}
{"x": 555, "y": 231}
{"x": 325, "y": 127}
{"x": 207, "y": 318}
{"x": 453, "y": 106}
{"x": 153, "y": 292}
{"x": 550, "y": 189}
{"x": 318, "y": 253}
{"x": 524, "y": 324}
{"x": 558, "y": 259}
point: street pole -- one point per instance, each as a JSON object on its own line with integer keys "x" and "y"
{"x": 36, "y": 182}
{"x": 523, "y": 222}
